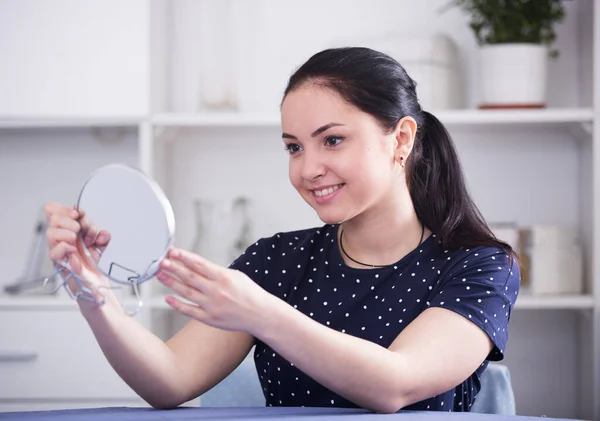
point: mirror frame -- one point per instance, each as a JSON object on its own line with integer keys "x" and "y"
{"x": 168, "y": 213}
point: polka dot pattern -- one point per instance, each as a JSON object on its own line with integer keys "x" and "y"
{"x": 305, "y": 268}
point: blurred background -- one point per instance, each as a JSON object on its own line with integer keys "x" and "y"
{"x": 188, "y": 91}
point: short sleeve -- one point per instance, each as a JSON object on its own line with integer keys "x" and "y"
{"x": 483, "y": 287}
{"x": 252, "y": 262}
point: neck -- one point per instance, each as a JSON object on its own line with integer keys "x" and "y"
{"x": 382, "y": 236}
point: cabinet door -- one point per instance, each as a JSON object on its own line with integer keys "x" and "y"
{"x": 54, "y": 355}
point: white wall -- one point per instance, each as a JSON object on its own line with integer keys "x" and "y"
{"x": 272, "y": 38}
{"x": 74, "y": 57}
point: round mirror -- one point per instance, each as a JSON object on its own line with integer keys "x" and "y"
{"x": 129, "y": 207}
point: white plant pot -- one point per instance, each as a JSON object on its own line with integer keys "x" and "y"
{"x": 513, "y": 76}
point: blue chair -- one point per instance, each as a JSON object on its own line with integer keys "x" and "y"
{"x": 496, "y": 395}
{"x": 242, "y": 388}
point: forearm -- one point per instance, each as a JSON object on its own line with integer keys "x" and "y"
{"x": 363, "y": 372}
{"x": 140, "y": 358}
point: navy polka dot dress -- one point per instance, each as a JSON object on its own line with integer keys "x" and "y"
{"x": 305, "y": 269}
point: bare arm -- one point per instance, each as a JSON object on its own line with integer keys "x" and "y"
{"x": 371, "y": 376}
{"x": 383, "y": 380}
{"x": 166, "y": 374}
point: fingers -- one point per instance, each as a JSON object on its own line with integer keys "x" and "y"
{"x": 196, "y": 263}
{"x": 61, "y": 220}
{"x": 61, "y": 251}
{"x": 102, "y": 239}
{"x": 92, "y": 235}
{"x": 59, "y": 235}
{"x": 62, "y": 232}
{"x": 180, "y": 288}
{"x": 62, "y": 237}
{"x": 53, "y": 208}
{"x": 184, "y": 274}
{"x": 88, "y": 228}
{"x": 66, "y": 224}
{"x": 190, "y": 310}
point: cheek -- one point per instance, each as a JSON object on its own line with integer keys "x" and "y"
{"x": 294, "y": 174}
{"x": 374, "y": 169}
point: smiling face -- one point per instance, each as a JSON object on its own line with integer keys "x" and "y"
{"x": 341, "y": 160}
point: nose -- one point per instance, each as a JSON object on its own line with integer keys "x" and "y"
{"x": 313, "y": 166}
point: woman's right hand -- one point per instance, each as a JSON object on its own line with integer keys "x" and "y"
{"x": 63, "y": 241}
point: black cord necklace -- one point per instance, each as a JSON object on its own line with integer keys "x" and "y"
{"x": 366, "y": 264}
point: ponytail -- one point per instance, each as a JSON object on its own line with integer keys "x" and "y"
{"x": 438, "y": 191}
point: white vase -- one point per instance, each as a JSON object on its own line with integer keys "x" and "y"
{"x": 513, "y": 76}
{"x": 218, "y": 48}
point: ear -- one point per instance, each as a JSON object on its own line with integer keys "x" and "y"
{"x": 405, "y": 132}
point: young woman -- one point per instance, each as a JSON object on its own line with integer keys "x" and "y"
{"x": 397, "y": 302}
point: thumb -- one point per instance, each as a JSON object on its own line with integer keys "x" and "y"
{"x": 102, "y": 239}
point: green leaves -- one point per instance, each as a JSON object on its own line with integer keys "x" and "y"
{"x": 513, "y": 21}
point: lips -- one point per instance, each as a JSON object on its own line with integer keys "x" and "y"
{"x": 325, "y": 194}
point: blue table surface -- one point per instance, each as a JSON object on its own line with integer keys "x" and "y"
{"x": 240, "y": 413}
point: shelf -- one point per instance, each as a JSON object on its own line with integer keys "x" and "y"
{"x": 33, "y": 302}
{"x": 455, "y": 118}
{"x": 68, "y": 122}
{"x": 217, "y": 119}
{"x": 40, "y": 302}
{"x": 534, "y": 116}
{"x": 551, "y": 302}
{"x": 524, "y": 302}
{"x": 466, "y": 117}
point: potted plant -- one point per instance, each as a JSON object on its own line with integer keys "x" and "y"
{"x": 515, "y": 38}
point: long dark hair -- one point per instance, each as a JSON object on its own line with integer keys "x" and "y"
{"x": 378, "y": 85}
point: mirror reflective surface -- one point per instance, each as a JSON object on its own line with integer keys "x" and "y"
{"x": 132, "y": 209}
{"x": 133, "y": 213}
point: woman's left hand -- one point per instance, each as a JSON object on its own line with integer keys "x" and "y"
{"x": 218, "y": 296}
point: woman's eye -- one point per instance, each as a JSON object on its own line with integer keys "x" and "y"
{"x": 333, "y": 140}
{"x": 292, "y": 148}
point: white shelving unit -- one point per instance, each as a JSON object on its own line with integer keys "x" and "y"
{"x": 69, "y": 122}
{"x": 193, "y": 153}
{"x": 468, "y": 117}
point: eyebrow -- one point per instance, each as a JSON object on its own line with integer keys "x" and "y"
{"x": 315, "y": 133}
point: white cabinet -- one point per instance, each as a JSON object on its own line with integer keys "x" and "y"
{"x": 48, "y": 354}
{"x": 33, "y": 351}
{"x": 528, "y": 167}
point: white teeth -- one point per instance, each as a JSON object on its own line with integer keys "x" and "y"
{"x": 326, "y": 191}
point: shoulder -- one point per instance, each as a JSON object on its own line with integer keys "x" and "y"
{"x": 485, "y": 273}
{"x": 485, "y": 261}
{"x": 482, "y": 284}
{"x": 489, "y": 262}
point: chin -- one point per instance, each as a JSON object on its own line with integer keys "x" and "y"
{"x": 327, "y": 214}
{"x": 330, "y": 221}
{"x": 330, "y": 218}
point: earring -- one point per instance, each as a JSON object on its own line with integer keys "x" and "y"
{"x": 402, "y": 161}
